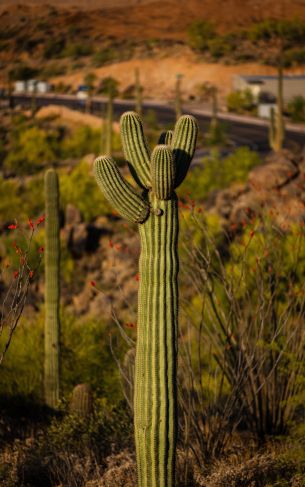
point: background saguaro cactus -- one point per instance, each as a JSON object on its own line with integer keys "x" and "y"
{"x": 82, "y": 401}
{"x": 156, "y": 212}
{"x": 277, "y": 128}
{"x": 52, "y": 292}
{"x": 138, "y": 92}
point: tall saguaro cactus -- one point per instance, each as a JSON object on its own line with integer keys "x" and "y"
{"x": 155, "y": 209}
{"x": 52, "y": 292}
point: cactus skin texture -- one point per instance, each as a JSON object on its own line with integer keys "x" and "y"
{"x": 156, "y": 212}
{"x": 82, "y": 401}
{"x": 52, "y": 290}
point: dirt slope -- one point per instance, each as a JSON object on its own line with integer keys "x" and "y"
{"x": 153, "y": 20}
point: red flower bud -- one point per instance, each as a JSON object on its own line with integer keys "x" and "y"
{"x": 12, "y": 227}
{"x": 93, "y": 283}
{"x": 31, "y": 224}
{"x": 40, "y": 219}
{"x": 15, "y": 274}
{"x": 41, "y": 250}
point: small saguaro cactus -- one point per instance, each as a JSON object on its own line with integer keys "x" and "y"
{"x": 178, "y": 96}
{"x": 138, "y": 92}
{"x": 155, "y": 209}
{"x": 277, "y": 127}
{"x": 52, "y": 291}
{"x": 82, "y": 401}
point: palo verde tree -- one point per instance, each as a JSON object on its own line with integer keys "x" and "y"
{"x": 155, "y": 210}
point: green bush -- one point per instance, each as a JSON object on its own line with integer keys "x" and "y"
{"x": 86, "y": 357}
{"x": 219, "y": 173}
{"x": 104, "y": 56}
{"x": 83, "y": 140}
{"x": 33, "y": 149}
{"x": 54, "y": 48}
{"x": 199, "y": 34}
{"x": 77, "y": 50}
{"x": 80, "y": 189}
{"x": 296, "y": 109}
{"x": 240, "y": 101}
{"x": 10, "y": 203}
{"x": 22, "y": 72}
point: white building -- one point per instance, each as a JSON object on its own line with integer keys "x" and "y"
{"x": 32, "y": 86}
{"x": 292, "y": 85}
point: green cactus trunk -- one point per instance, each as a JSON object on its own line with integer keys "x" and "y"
{"x": 108, "y": 126}
{"x": 82, "y": 401}
{"x": 178, "y": 98}
{"x": 138, "y": 90}
{"x": 52, "y": 291}
{"x": 156, "y": 212}
{"x": 277, "y": 126}
{"x": 155, "y": 406}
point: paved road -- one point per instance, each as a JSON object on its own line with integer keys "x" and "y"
{"x": 241, "y": 130}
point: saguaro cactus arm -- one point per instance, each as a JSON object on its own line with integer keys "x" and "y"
{"x": 119, "y": 192}
{"x": 184, "y": 145}
{"x": 136, "y": 148}
{"x": 163, "y": 172}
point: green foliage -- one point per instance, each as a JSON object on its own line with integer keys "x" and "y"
{"x": 77, "y": 50}
{"x": 240, "y": 101}
{"x": 79, "y": 188}
{"x": 22, "y": 72}
{"x": 83, "y": 140}
{"x": 220, "y": 173}
{"x": 33, "y": 149}
{"x": 89, "y": 80}
{"x": 109, "y": 86}
{"x": 86, "y": 357}
{"x": 199, "y": 34}
{"x": 296, "y": 109}
{"x": 54, "y": 48}
{"x": 9, "y": 202}
{"x": 103, "y": 56}
{"x": 217, "y": 134}
{"x": 221, "y": 45}
{"x": 289, "y": 30}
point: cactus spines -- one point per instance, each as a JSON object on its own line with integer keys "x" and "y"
{"x": 52, "y": 291}
{"x": 155, "y": 396}
{"x": 81, "y": 403}
{"x": 277, "y": 127}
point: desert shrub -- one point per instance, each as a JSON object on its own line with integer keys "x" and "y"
{"x": 86, "y": 357}
{"x": 293, "y": 57}
{"x": 22, "y": 72}
{"x": 217, "y": 135}
{"x": 219, "y": 173}
{"x": 10, "y": 203}
{"x": 33, "y": 149}
{"x": 199, "y": 34}
{"x": 240, "y": 101}
{"x": 220, "y": 46}
{"x": 296, "y": 109}
{"x": 289, "y": 30}
{"x": 108, "y": 86}
{"x": 250, "y": 306}
{"x": 51, "y": 70}
{"x": 80, "y": 189}
{"x": 103, "y": 56}
{"x": 81, "y": 141}
{"x": 54, "y": 48}
{"x": 75, "y": 50}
